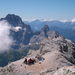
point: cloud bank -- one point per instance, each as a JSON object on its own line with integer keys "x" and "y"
{"x": 64, "y": 21}
{"x": 5, "y": 40}
{"x": 30, "y": 20}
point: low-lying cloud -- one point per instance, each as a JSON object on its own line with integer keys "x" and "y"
{"x": 17, "y": 28}
{"x": 5, "y": 39}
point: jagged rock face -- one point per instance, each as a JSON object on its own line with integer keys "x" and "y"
{"x": 67, "y": 70}
{"x": 14, "y": 19}
{"x": 60, "y": 44}
{"x": 56, "y": 53}
{"x": 45, "y": 29}
{"x": 45, "y": 32}
{"x": 52, "y": 33}
{"x": 24, "y": 32}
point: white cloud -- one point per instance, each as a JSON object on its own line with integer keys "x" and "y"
{"x": 17, "y": 28}
{"x": 30, "y": 20}
{"x": 5, "y": 40}
{"x": 64, "y": 21}
{"x": 73, "y": 20}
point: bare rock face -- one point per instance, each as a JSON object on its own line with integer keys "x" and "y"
{"x": 57, "y": 52}
{"x": 57, "y": 44}
{"x": 66, "y": 70}
{"x": 54, "y": 54}
{"x": 20, "y": 31}
{"x": 44, "y": 33}
{"x": 32, "y": 53}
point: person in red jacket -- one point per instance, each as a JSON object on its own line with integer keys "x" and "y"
{"x": 30, "y": 61}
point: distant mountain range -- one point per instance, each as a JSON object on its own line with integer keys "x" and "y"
{"x": 38, "y": 24}
{"x": 67, "y": 29}
{"x": 23, "y": 34}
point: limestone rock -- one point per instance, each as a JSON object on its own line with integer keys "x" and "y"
{"x": 60, "y": 44}
{"x": 56, "y": 53}
{"x": 44, "y": 33}
{"x": 66, "y": 70}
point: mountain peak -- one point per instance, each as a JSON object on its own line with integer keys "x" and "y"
{"x": 13, "y": 19}
{"x": 45, "y": 28}
{"x": 9, "y": 15}
{"x": 12, "y": 15}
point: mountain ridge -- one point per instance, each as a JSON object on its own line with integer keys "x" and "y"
{"x": 51, "y": 59}
{"x": 67, "y": 29}
{"x": 22, "y": 32}
{"x": 37, "y": 23}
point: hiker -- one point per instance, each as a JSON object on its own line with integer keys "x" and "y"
{"x": 30, "y": 61}
{"x": 33, "y": 61}
{"x": 25, "y": 61}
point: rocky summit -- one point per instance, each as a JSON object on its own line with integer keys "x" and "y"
{"x": 56, "y": 56}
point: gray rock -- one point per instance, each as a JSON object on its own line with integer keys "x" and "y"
{"x": 60, "y": 44}
{"x": 67, "y": 70}
{"x": 47, "y": 71}
{"x": 44, "y": 33}
{"x": 56, "y": 52}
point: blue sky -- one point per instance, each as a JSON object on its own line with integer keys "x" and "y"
{"x": 39, "y": 9}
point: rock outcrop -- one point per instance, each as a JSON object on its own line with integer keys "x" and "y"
{"x": 57, "y": 52}
{"x": 58, "y": 43}
{"x": 44, "y": 33}
{"x": 20, "y": 32}
{"x": 53, "y": 55}
{"x": 66, "y": 70}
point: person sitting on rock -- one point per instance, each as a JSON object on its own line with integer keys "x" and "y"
{"x": 30, "y": 61}
{"x": 25, "y": 61}
{"x": 33, "y": 61}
